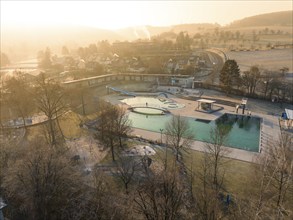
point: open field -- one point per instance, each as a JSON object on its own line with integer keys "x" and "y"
{"x": 266, "y": 59}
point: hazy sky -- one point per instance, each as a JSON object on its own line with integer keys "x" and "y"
{"x": 119, "y": 14}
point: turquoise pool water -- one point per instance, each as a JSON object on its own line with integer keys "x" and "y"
{"x": 243, "y": 132}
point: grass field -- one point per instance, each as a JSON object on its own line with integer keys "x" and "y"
{"x": 236, "y": 171}
{"x": 266, "y": 59}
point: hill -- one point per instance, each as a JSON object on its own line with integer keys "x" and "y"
{"x": 146, "y": 32}
{"x": 24, "y": 42}
{"x": 283, "y": 18}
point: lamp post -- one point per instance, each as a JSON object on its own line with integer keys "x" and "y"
{"x": 266, "y": 88}
{"x": 161, "y": 130}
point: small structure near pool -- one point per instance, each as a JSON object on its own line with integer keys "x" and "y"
{"x": 207, "y": 105}
{"x": 287, "y": 119}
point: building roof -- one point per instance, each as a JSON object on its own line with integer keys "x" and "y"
{"x": 206, "y": 101}
{"x": 289, "y": 113}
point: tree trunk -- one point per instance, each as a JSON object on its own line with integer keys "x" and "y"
{"x": 120, "y": 141}
{"x": 177, "y": 154}
{"x": 112, "y": 150}
{"x": 280, "y": 191}
{"x": 52, "y": 132}
{"x": 82, "y": 103}
{"x": 126, "y": 187}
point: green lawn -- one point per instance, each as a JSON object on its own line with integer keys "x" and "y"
{"x": 236, "y": 171}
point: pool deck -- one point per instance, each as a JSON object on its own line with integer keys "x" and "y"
{"x": 269, "y": 131}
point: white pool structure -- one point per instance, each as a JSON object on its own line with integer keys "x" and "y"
{"x": 152, "y": 103}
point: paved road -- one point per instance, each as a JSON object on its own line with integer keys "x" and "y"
{"x": 215, "y": 59}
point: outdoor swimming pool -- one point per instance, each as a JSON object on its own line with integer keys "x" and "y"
{"x": 243, "y": 131}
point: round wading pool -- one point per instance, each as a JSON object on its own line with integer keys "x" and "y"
{"x": 148, "y": 110}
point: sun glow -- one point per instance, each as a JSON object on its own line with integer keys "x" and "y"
{"x": 120, "y": 14}
{"x": 109, "y": 15}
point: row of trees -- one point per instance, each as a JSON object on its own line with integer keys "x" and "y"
{"x": 255, "y": 81}
{"x": 205, "y": 39}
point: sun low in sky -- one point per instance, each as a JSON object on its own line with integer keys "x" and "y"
{"x": 121, "y": 14}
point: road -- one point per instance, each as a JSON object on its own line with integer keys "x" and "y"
{"x": 215, "y": 60}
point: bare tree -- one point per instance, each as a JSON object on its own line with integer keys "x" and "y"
{"x": 251, "y": 79}
{"x": 281, "y": 168}
{"x": 122, "y": 124}
{"x": 126, "y": 168}
{"x": 257, "y": 202}
{"x": 268, "y": 81}
{"x": 99, "y": 201}
{"x": 105, "y": 127}
{"x": 215, "y": 153}
{"x": 18, "y": 96}
{"x": 112, "y": 125}
{"x": 178, "y": 134}
{"x": 160, "y": 197}
{"x": 208, "y": 205}
{"x": 211, "y": 176}
{"x": 77, "y": 98}
{"x": 49, "y": 100}
{"x": 10, "y": 148}
{"x": 271, "y": 183}
{"x": 41, "y": 182}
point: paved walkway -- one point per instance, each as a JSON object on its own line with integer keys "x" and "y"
{"x": 269, "y": 131}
